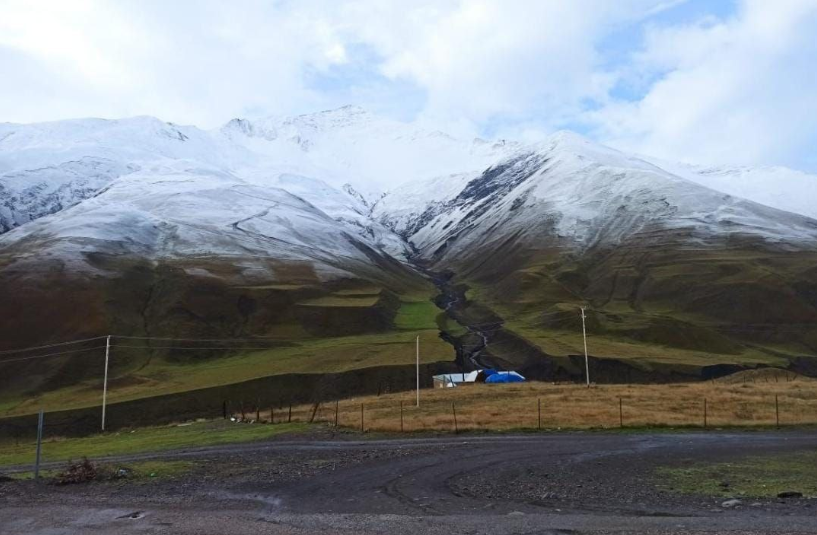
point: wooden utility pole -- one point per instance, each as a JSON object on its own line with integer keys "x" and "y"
{"x": 586, "y": 360}
{"x": 39, "y": 446}
{"x": 105, "y": 379}
{"x": 418, "y": 371}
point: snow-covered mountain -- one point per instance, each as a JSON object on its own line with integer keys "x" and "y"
{"x": 570, "y": 192}
{"x": 179, "y": 211}
{"x": 162, "y": 190}
{"x": 110, "y": 181}
{"x": 350, "y": 145}
{"x": 102, "y": 213}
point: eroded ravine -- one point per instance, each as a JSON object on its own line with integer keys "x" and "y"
{"x": 452, "y": 301}
{"x": 480, "y": 324}
{"x": 482, "y": 340}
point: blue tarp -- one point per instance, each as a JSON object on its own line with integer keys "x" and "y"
{"x": 504, "y": 377}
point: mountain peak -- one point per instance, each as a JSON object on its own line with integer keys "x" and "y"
{"x": 349, "y": 109}
{"x": 342, "y": 117}
{"x": 568, "y": 136}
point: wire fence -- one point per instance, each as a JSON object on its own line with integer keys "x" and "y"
{"x": 768, "y": 399}
{"x": 568, "y": 406}
{"x": 746, "y": 399}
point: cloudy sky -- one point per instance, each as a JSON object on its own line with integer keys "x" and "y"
{"x": 704, "y": 81}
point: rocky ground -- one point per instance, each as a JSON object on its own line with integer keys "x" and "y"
{"x": 548, "y": 483}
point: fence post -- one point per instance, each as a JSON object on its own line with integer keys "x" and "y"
{"x": 243, "y": 416}
{"x": 39, "y": 445}
{"x": 539, "y": 416}
{"x": 337, "y": 407}
{"x": 289, "y": 418}
{"x": 705, "y": 413}
{"x": 362, "y": 429}
{"x": 271, "y": 415}
{"x": 258, "y": 411}
{"x": 776, "y": 412}
{"x": 454, "y": 410}
{"x": 401, "y": 415}
{"x": 620, "y": 414}
{"x": 224, "y": 409}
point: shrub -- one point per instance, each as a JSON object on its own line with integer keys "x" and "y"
{"x": 80, "y": 472}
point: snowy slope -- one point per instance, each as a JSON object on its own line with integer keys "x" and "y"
{"x": 778, "y": 187}
{"x": 180, "y": 212}
{"x": 47, "y": 167}
{"x": 350, "y": 145}
{"x": 572, "y": 192}
{"x": 279, "y": 188}
{"x": 144, "y": 187}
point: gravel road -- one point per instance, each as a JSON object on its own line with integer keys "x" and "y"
{"x": 531, "y": 484}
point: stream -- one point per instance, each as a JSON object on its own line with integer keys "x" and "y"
{"x": 472, "y": 353}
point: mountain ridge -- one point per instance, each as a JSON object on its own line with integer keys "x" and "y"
{"x": 259, "y": 229}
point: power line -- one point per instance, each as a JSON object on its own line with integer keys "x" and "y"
{"x": 260, "y": 338}
{"x": 193, "y": 348}
{"x": 148, "y": 338}
{"x": 4, "y": 361}
{"x": 9, "y": 351}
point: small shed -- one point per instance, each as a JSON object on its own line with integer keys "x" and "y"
{"x": 450, "y": 380}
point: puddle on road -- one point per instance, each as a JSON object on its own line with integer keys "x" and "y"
{"x": 136, "y": 515}
{"x": 272, "y": 505}
{"x": 270, "y": 501}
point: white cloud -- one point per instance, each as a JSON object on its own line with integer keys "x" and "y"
{"x": 738, "y": 89}
{"x": 734, "y": 91}
{"x": 189, "y": 62}
{"x": 482, "y": 60}
{"x": 204, "y": 62}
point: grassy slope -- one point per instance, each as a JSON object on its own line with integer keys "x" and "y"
{"x": 308, "y": 354}
{"x": 562, "y": 341}
{"x": 143, "y": 440}
{"x": 692, "y": 307}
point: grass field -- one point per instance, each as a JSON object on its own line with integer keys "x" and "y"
{"x": 137, "y": 471}
{"x": 142, "y": 440}
{"x": 352, "y": 301}
{"x": 415, "y": 317}
{"x": 516, "y": 406}
{"x": 562, "y": 342}
{"x": 743, "y": 400}
{"x": 754, "y": 477}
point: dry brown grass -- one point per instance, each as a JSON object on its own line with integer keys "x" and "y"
{"x": 567, "y": 406}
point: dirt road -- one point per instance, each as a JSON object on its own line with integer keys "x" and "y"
{"x": 556, "y": 483}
